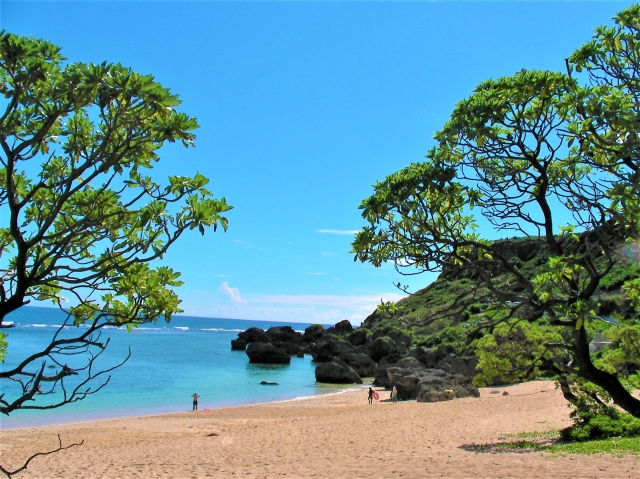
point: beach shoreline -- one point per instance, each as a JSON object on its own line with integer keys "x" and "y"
{"x": 337, "y": 435}
{"x": 339, "y": 390}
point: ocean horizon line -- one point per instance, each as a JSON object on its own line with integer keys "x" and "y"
{"x": 27, "y": 308}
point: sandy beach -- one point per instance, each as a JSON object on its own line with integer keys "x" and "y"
{"x": 337, "y": 435}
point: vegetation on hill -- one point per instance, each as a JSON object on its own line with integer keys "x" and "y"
{"x": 457, "y": 308}
{"x": 554, "y": 158}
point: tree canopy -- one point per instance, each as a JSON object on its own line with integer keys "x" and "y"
{"x": 552, "y": 156}
{"x": 84, "y": 224}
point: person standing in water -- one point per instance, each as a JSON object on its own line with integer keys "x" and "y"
{"x": 195, "y": 397}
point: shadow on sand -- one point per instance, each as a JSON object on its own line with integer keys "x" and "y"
{"x": 520, "y": 447}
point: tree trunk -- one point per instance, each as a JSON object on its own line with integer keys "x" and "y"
{"x": 605, "y": 380}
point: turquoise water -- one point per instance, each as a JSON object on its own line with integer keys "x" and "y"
{"x": 169, "y": 362}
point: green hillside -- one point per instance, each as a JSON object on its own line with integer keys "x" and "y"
{"x": 458, "y": 308}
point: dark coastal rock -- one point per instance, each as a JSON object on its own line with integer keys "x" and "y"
{"x": 381, "y": 347}
{"x": 238, "y": 344}
{"x": 456, "y": 386}
{"x": 409, "y": 374}
{"x": 452, "y": 364}
{"x": 428, "y": 357}
{"x": 267, "y": 353}
{"x": 414, "y": 381}
{"x": 360, "y": 362}
{"x": 443, "y": 350}
{"x": 254, "y": 335}
{"x": 342, "y": 327}
{"x": 284, "y": 334}
{"x": 292, "y": 348}
{"x": 358, "y": 337}
{"x": 523, "y": 250}
{"x": 267, "y": 383}
{"x": 328, "y": 348}
{"x": 433, "y": 356}
{"x": 426, "y": 395}
{"x": 402, "y": 349}
{"x": 398, "y": 337}
{"x": 313, "y": 333}
{"x": 337, "y": 371}
{"x": 380, "y": 373}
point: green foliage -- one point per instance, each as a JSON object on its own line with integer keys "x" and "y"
{"x": 523, "y": 151}
{"x": 388, "y": 309}
{"x": 601, "y": 426}
{"x": 84, "y": 216}
{"x": 516, "y": 351}
{"x": 83, "y": 219}
{"x": 623, "y": 355}
{"x": 549, "y": 441}
{"x": 594, "y": 417}
{"x": 632, "y": 290}
{"x": 617, "y": 446}
{"x": 621, "y": 272}
{"x": 3, "y": 346}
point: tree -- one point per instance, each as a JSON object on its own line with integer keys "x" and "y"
{"x": 550, "y": 156}
{"x": 82, "y": 221}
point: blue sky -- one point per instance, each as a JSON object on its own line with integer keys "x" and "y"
{"x": 303, "y": 106}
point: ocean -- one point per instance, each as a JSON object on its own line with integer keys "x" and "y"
{"x": 169, "y": 362}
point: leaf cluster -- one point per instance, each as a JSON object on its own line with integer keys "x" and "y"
{"x": 85, "y": 224}
{"x": 528, "y": 151}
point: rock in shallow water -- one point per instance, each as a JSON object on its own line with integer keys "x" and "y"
{"x": 238, "y": 345}
{"x": 267, "y": 353}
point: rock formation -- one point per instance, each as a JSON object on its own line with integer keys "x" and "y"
{"x": 238, "y": 344}
{"x": 267, "y": 353}
{"x": 337, "y": 371}
{"x": 415, "y": 381}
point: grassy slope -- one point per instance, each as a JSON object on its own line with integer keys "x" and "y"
{"x": 453, "y": 308}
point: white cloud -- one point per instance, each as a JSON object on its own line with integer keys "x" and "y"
{"x": 246, "y": 244}
{"x": 324, "y": 299}
{"x": 314, "y": 307}
{"x": 339, "y": 232}
{"x": 303, "y": 315}
{"x": 326, "y": 253}
{"x": 304, "y": 308}
{"x": 232, "y": 293}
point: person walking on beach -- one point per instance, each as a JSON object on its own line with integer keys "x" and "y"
{"x": 394, "y": 395}
{"x": 370, "y": 396}
{"x": 195, "y": 397}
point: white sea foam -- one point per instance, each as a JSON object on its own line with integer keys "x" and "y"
{"x": 222, "y": 330}
{"x": 181, "y": 328}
